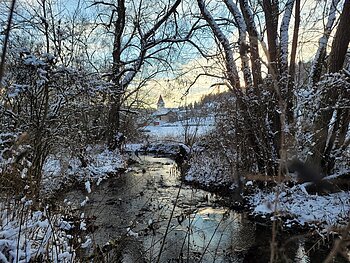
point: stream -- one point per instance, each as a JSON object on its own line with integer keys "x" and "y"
{"x": 148, "y": 215}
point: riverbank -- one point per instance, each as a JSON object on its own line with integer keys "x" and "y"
{"x": 296, "y": 207}
{"x": 28, "y": 233}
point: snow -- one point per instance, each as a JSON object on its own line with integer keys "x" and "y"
{"x": 16, "y": 89}
{"x": 178, "y": 130}
{"x": 82, "y": 225}
{"x": 87, "y": 243}
{"x": 158, "y": 148}
{"x": 263, "y": 209}
{"x": 209, "y": 170}
{"x": 131, "y": 233}
{"x": 29, "y": 234}
{"x": 322, "y": 211}
{"x": 83, "y": 203}
{"x": 238, "y": 17}
{"x": 65, "y": 225}
{"x": 162, "y": 111}
{"x": 249, "y": 183}
{"x": 284, "y": 32}
{"x": 173, "y": 132}
{"x": 64, "y": 169}
{"x": 132, "y": 147}
{"x": 65, "y": 256}
{"x": 88, "y": 186}
{"x": 34, "y": 61}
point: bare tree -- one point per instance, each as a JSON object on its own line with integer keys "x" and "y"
{"x": 254, "y": 38}
{"x": 140, "y": 40}
{"x": 291, "y": 82}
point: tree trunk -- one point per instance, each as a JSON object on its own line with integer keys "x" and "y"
{"x": 343, "y": 128}
{"x": 321, "y": 150}
{"x": 116, "y": 99}
{"x": 316, "y": 68}
{"x": 290, "y": 88}
{"x": 253, "y": 42}
{"x": 271, "y": 12}
{"x": 341, "y": 41}
{"x": 243, "y": 48}
{"x": 113, "y": 122}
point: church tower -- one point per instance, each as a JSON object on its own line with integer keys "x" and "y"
{"x": 160, "y": 104}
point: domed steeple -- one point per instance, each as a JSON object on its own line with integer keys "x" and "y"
{"x": 160, "y": 104}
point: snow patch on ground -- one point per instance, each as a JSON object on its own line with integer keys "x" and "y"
{"x": 324, "y": 211}
{"x": 177, "y": 130}
{"x": 61, "y": 170}
{"x": 132, "y": 147}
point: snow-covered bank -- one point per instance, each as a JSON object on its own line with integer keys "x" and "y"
{"x": 323, "y": 212}
{"x": 28, "y": 235}
{"x": 295, "y": 205}
{"x": 61, "y": 170}
{"x": 159, "y": 148}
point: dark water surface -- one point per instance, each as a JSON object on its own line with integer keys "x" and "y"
{"x": 147, "y": 215}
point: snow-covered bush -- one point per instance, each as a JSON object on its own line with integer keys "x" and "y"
{"x": 52, "y": 107}
{"x": 212, "y": 163}
{"x": 27, "y": 236}
{"x": 209, "y": 169}
{"x": 14, "y": 162}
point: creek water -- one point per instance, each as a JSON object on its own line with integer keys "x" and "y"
{"x": 148, "y": 215}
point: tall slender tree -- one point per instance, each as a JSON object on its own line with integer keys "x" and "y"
{"x": 324, "y": 138}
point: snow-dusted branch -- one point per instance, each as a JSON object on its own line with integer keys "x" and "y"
{"x": 229, "y": 59}
{"x": 254, "y": 38}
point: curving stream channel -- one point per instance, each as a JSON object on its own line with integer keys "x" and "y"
{"x": 148, "y": 215}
